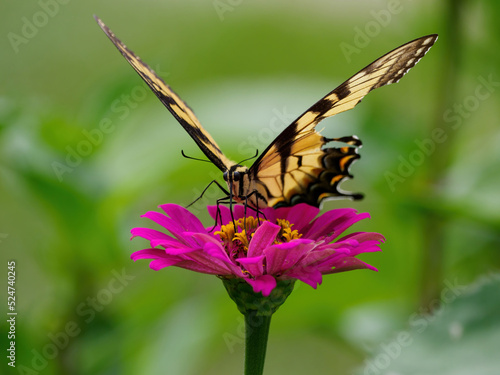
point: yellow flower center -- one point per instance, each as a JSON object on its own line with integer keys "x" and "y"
{"x": 236, "y": 237}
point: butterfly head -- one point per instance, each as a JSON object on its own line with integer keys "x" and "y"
{"x": 235, "y": 173}
{"x": 238, "y": 181}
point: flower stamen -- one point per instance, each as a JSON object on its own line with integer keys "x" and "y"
{"x": 286, "y": 233}
{"x": 236, "y": 235}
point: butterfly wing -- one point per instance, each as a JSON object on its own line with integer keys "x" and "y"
{"x": 299, "y": 166}
{"x": 173, "y": 102}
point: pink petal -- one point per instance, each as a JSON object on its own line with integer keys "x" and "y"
{"x": 149, "y": 234}
{"x": 167, "y": 243}
{"x": 214, "y": 257}
{"x": 345, "y": 264}
{"x": 366, "y": 247}
{"x": 147, "y": 254}
{"x": 263, "y": 237}
{"x": 223, "y": 211}
{"x": 300, "y": 215}
{"x": 178, "y": 250}
{"x": 347, "y": 223}
{"x": 196, "y": 260}
{"x": 201, "y": 267}
{"x": 169, "y": 224}
{"x": 202, "y": 238}
{"x": 225, "y": 214}
{"x": 282, "y": 257}
{"x": 264, "y": 284}
{"x": 309, "y": 275}
{"x": 183, "y": 217}
{"x": 239, "y": 211}
{"x": 199, "y": 261}
{"x": 320, "y": 254}
{"x": 160, "y": 259}
{"x": 364, "y": 236}
{"x": 254, "y": 265}
{"x": 158, "y": 264}
{"x": 328, "y": 223}
{"x": 215, "y": 250}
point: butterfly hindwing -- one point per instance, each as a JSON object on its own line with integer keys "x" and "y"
{"x": 173, "y": 102}
{"x": 299, "y": 166}
{"x": 312, "y": 173}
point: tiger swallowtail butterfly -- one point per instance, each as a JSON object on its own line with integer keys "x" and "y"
{"x": 298, "y": 166}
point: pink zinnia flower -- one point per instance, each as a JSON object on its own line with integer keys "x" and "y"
{"x": 284, "y": 244}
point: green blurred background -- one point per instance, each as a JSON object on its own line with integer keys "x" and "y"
{"x": 247, "y": 68}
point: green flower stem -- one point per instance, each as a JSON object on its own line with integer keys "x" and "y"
{"x": 256, "y": 334}
{"x": 258, "y": 311}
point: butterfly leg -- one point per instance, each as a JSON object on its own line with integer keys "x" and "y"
{"x": 231, "y": 206}
{"x": 218, "y": 215}
{"x": 256, "y": 209}
{"x": 204, "y": 191}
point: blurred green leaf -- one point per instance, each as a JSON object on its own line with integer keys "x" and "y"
{"x": 460, "y": 337}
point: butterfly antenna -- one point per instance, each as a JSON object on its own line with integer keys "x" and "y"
{"x": 250, "y": 158}
{"x": 190, "y": 157}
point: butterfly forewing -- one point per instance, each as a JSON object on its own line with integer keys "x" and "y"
{"x": 299, "y": 166}
{"x": 173, "y": 102}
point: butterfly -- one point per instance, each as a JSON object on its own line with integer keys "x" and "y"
{"x": 298, "y": 166}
